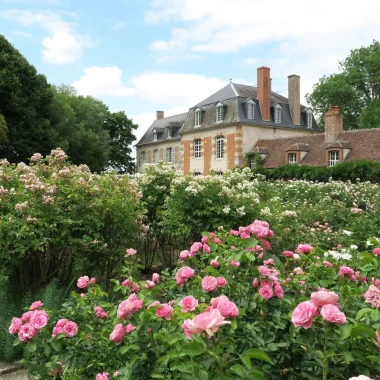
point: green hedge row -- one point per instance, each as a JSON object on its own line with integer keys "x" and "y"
{"x": 346, "y": 171}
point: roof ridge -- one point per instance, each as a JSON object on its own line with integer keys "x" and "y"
{"x": 292, "y": 137}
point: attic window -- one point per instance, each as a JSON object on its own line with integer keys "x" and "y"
{"x": 219, "y": 112}
{"x": 154, "y": 135}
{"x": 197, "y": 119}
{"x": 333, "y": 157}
{"x": 169, "y": 133}
{"x": 155, "y": 156}
{"x": 277, "y": 114}
{"x": 292, "y": 158}
{"x": 250, "y": 111}
{"x": 309, "y": 118}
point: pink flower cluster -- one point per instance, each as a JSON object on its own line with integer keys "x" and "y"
{"x": 183, "y": 275}
{"x": 100, "y": 313}
{"x": 64, "y": 326}
{"x": 269, "y": 283}
{"x": 129, "y": 306}
{"x": 84, "y": 281}
{"x": 30, "y": 323}
{"x": 323, "y": 302}
{"x": 102, "y": 376}
{"x": 119, "y": 332}
{"x": 349, "y": 273}
{"x": 304, "y": 248}
{"x": 210, "y": 283}
{"x": 372, "y": 296}
{"x": 130, "y": 252}
{"x": 130, "y": 284}
{"x": 189, "y": 303}
{"x": 227, "y": 308}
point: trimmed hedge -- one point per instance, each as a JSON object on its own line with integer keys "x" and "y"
{"x": 365, "y": 170}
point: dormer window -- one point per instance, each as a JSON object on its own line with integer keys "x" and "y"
{"x": 333, "y": 157}
{"x": 169, "y": 133}
{"x": 198, "y": 118}
{"x": 309, "y": 118}
{"x": 219, "y": 109}
{"x": 154, "y": 135}
{"x": 250, "y": 108}
{"x": 277, "y": 114}
{"x": 292, "y": 158}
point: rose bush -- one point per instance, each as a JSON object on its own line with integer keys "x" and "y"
{"x": 273, "y": 316}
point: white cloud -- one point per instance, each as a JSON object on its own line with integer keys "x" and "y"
{"x": 22, "y": 34}
{"x": 98, "y": 81}
{"x": 119, "y": 25}
{"x": 62, "y": 46}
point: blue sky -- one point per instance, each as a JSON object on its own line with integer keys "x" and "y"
{"x": 146, "y": 55}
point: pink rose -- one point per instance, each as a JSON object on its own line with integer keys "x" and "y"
{"x": 209, "y": 283}
{"x": 228, "y": 309}
{"x": 164, "y": 311}
{"x": 183, "y": 275}
{"x": 324, "y": 297}
{"x": 26, "y": 316}
{"x": 376, "y": 251}
{"x": 303, "y": 314}
{"x": 15, "y": 326}
{"x": 129, "y": 328}
{"x": 331, "y": 313}
{"x": 266, "y": 292}
{"x": 27, "y": 332}
{"x": 234, "y": 232}
{"x": 100, "y": 313}
{"x": 304, "y": 248}
{"x": 347, "y": 272}
{"x": 221, "y": 282}
{"x": 117, "y": 334}
{"x": 215, "y": 263}
{"x": 269, "y": 262}
{"x": 93, "y": 280}
{"x": 215, "y": 301}
{"x": 288, "y": 253}
{"x": 206, "y": 248}
{"x": 184, "y": 254}
{"x": 83, "y": 295}
{"x": 205, "y": 239}
{"x": 327, "y": 264}
{"x": 35, "y": 305}
{"x": 149, "y": 284}
{"x": 83, "y": 282}
{"x": 102, "y": 376}
{"x": 278, "y": 291}
{"x": 154, "y": 303}
{"x": 376, "y": 282}
{"x": 195, "y": 248}
{"x": 189, "y": 303}
{"x": 156, "y": 278}
{"x": 372, "y": 296}
{"x": 235, "y": 263}
{"x": 126, "y": 283}
{"x": 130, "y": 252}
{"x": 208, "y": 322}
{"x": 70, "y": 329}
{"x": 39, "y": 319}
{"x": 255, "y": 283}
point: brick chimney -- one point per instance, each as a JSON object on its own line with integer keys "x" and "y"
{"x": 333, "y": 124}
{"x": 294, "y": 97}
{"x": 263, "y": 91}
{"x": 159, "y": 115}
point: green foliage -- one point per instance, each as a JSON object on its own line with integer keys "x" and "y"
{"x": 355, "y": 89}
{"x": 3, "y": 130}
{"x": 253, "y": 159}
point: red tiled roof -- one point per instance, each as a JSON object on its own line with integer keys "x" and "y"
{"x": 364, "y": 144}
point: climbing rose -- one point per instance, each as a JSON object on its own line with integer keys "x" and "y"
{"x": 183, "y": 274}
{"x": 209, "y": 283}
{"x": 324, "y": 297}
{"x": 304, "y": 248}
{"x": 221, "y": 281}
{"x": 278, "y": 291}
{"x": 39, "y": 319}
{"x": 83, "y": 282}
{"x": 266, "y": 292}
{"x": 102, "y": 376}
{"x": 100, "y": 313}
{"x": 331, "y": 313}
{"x": 15, "y": 326}
{"x": 228, "y": 309}
{"x": 206, "y": 248}
{"x": 130, "y": 252}
{"x": 27, "y": 332}
{"x": 164, "y": 311}
{"x": 35, "y": 305}
{"x": 26, "y": 316}
{"x": 189, "y": 303}
{"x": 303, "y": 314}
{"x": 372, "y": 296}
{"x": 129, "y": 328}
{"x": 70, "y": 329}
{"x": 117, "y": 334}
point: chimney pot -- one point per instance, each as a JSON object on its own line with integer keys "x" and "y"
{"x": 159, "y": 115}
{"x": 294, "y": 96}
{"x": 333, "y": 124}
{"x": 264, "y": 91}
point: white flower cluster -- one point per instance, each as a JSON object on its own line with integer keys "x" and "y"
{"x": 343, "y": 255}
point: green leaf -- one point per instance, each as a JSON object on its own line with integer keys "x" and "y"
{"x": 233, "y": 325}
{"x": 56, "y": 346}
{"x": 254, "y": 353}
{"x": 201, "y": 374}
{"x": 347, "y": 357}
{"x": 361, "y": 329}
{"x": 191, "y": 349}
{"x": 345, "y": 331}
{"x": 238, "y": 368}
{"x": 125, "y": 349}
{"x": 254, "y": 375}
{"x": 375, "y": 314}
{"x": 31, "y": 347}
{"x": 374, "y": 359}
{"x": 362, "y": 312}
{"x": 251, "y": 242}
{"x": 157, "y": 375}
{"x": 16, "y": 342}
{"x": 47, "y": 351}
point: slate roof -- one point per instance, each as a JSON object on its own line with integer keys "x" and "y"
{"x": 233, "y": 96}
{"x": 364, "y": 144}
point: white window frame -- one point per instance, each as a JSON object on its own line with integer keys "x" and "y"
{"x": 197, "y": 174}
{"x": 142, "y": 158}
{"x": 277, "y": 114}
{"x": 155, "y": 156}
{"x": 154, "y": 135}
{"x": 309, "y": 119}
{"x": 198, "y": 118}
{"x": 219, "y": 147}
{"x": 169, "y": 133}
{"x": 333, "y": 157}
{"x": 219, "y": 112}
{"x": 197, "y": 148}
{"x": 169, "y": 155}
{"x": 292, "y": 158}
{"x": 250, "y": 111}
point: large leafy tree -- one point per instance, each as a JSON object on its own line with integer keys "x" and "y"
{"x": 355, "y": 89}
{"x": 25, "y": 99}
{"x": 120, "y": 129}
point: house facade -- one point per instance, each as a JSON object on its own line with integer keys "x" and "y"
{"x": 217, "y": 132}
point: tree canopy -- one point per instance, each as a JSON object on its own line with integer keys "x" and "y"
{"x": 355, "y": 89}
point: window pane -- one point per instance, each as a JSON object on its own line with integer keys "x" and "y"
{"x": 292, "y": 158}
{"x": 219, "y": 146}
{"x": 333, "y": 157}
{"x": 250, "y": 111}
{"x": 197, "y": 148}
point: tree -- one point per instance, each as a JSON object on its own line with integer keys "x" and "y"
{"x": 3, "y": 130}
{"x": 25, "y": 98}
{"x": 120, "y": 129}
{"x": 356, "y": 89}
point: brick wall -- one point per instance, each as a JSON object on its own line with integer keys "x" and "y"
{"x": 186, "y": 156}
{"x": 231, "y": 148}
{"x": 207, "y": 151}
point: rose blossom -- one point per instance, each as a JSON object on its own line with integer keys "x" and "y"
{"x": 304, "y": 248}
{"x": 331, "y": 313}
{"x": 215, "y": 263}
{"x": 288, "y": 253}
{"x": 345, "y": 271}
{"x": 235, "y": 263}
{"x": 327, "y": 264}
{"x": 164, "y": 311}
{"x": 376, "y": 251}
{"x": 26, "y": 316}
{"x": 266, "y": 292}
{"x": 100, "y": 313}
{"x": 130, "y": 252}
{"x": 149, "y": 284}
{"x": 93, "y": 280}
{"x": 70, "y": 329}
{"x": 372, "y": 296}
{"x": 324, "y": 297}
{"x": 361, "y": 377}
{"x": 209, "y": 283}
{"x": 303, "y": 314}
{"x": 278, "y": 291}
{"x": 206, "y": 248}
{"x": 129, "y": 328}
{"x": 221, "y": 281}
{"x": 102, "y": 376}
{"x": 117, "y": 334}
{"x": 35, "y": 305}
{"x": 228, "y": 309}
{"x": 39, "y": 319}
{"x": 215, "y": 301}
{"x": 183, "y": 274}
{"x": 155, "y": 278}
{"x": 189, "y": 303}
{"x": 27, "y": 332}
{"x": 184, "y": 254}
{"x": 255, "y": 283}
{"x": 83, "y": 282}
{"x": 207, "y": 321}
{"x": 15, "y": 326}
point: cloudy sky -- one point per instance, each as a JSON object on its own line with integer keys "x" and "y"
{"x": 146, "y": 55}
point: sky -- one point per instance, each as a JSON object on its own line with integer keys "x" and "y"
{"x": 140, "y": 56}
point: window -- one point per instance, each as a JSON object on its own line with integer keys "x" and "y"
{"x": 197, "y": 119}
{"x": 154, "y": 136}
{"x": 169, "y": 155}
{"x": 169, "y": 133}
{"x": 333, "y": 157}
{"x": 155, "y": 156}
{"x": 292, "y": 158}
{"x": 219, "y": 147}
{"x": 142, "y": 158}
{"x": 197, "y": 148}
{"x": 309, "y": 121}
{"x": 219, "y": 113}
{"x": 219, "y": 172}
{"x": 197, "y": 174}
{"x": 250, "y": 111}
{"x": 277, "y": 114}
{"x": 252, "y": 162}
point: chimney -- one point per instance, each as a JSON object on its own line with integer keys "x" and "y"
{"x": 263, "y": 91}
{"x": 333, "y": 124}
{"x": 294, "y": 98}
{"x": 159, "y": 115}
